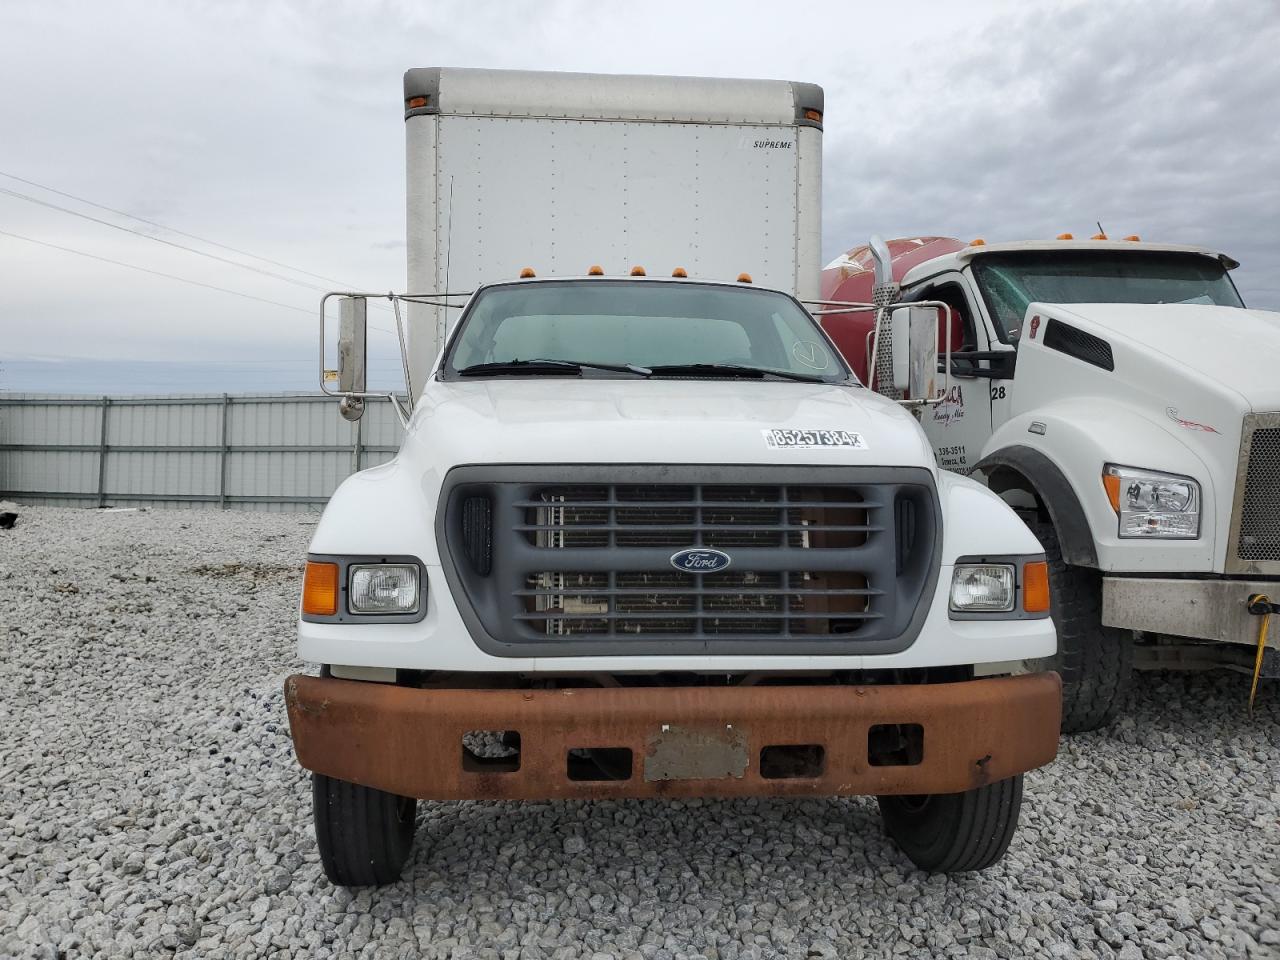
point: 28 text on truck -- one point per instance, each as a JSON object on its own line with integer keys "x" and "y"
{"x": 1119, "y": 395}
{"x": 647, "y": 536}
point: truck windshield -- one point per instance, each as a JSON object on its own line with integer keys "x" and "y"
{"x": 586, "y": 327}
{"x": 1011, "y": 281}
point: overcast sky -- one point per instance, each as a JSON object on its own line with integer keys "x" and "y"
{"x": 277, "y": 128}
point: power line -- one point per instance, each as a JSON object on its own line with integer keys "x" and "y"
{"x": 181, "y": 233}
{"x": 158, "y": 273}
{"x": 168, "y": 276}
{"x": 168, "y": 243}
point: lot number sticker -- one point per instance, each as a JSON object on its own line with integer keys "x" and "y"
{"x": 778, "y": 438}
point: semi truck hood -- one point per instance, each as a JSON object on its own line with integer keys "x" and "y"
{"x": 1235, "y": 348}
{"x": 590, "y": 420}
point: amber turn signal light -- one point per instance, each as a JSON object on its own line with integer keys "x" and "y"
{"x": 1111, "y": 483}
{"x": 320, "y": 589}
{"x": 1035, "y": 587}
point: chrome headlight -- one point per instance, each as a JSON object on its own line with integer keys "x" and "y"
{"x": 982, "y": 588}
{"x": 1152, "y": 504}
{"x": 386, "y": 588}
{"x": 1007, "y": 587}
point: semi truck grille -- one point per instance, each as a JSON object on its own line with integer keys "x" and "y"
{"x": 1258, "y": 502}
{"x": 582, "y": 562}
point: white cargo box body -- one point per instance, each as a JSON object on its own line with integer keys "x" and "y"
{"x": 563, "y": 171}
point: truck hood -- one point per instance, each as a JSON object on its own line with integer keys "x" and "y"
{"x": 1233, "y": 347}
{"x": 552, "y": 419}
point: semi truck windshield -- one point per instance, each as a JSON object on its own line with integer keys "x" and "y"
{"x": 639, "y": 327}
{"x": 1010, "y": 282}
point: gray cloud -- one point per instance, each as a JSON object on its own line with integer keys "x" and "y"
{"x": 277, "y": 128}
{"x": 1156, "y": 119}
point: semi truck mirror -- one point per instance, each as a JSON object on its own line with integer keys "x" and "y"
{"x": 352, "y": 338}
{"x": 900, "y": 327}
{"x": 915, "y": 351}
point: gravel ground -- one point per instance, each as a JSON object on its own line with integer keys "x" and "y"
{"x": 150, "y": 805}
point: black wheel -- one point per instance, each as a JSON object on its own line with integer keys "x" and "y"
{"x": 1095, "y": 662}
{"x": 955, "y": 832}
{"x": 365, "y": 835}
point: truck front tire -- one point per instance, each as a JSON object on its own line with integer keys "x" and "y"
{"x": 365, "y": 835}
{"x": 955, "y": 832}
{"x": 1094, "y": 661}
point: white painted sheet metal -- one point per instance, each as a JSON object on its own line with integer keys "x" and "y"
{"x": 561, "y": 172}
{"x": 503, "y": 194}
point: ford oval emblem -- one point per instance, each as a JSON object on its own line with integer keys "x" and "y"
{"x": 700, "y": 560}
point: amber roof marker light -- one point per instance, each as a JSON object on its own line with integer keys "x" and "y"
{"x": 637, "y": 271}
{"x": 595, "y": 270}
{"x": 744, "y": 278}
{"x": 527, "y": 273}
{"x": 680, "y": 272}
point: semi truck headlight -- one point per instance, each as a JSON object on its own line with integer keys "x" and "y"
{"x": 1152, "y": 504}
{"x": 383, "y": 588}
{"x": 982, "y": 588}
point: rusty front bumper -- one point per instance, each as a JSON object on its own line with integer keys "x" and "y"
{"x": 683, "y": 741}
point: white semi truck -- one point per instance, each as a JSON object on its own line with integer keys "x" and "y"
{"x": 1121, "y": 397}
{"x": 646, "y": 534}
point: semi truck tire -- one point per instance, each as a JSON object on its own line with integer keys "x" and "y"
{"x": 955, "y": 832}
{"x": 365, "y": 835}
{"x": 1094, "y": 661}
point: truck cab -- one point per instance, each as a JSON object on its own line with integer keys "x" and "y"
{"x": 1114, "y": 393}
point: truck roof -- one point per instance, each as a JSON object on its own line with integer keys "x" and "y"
{"x": 597, "y": 96}
{"x": 958, "y": 259}
{"x": 643, "y": 278}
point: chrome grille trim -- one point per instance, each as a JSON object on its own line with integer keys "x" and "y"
{"x": 1254, "y": 545}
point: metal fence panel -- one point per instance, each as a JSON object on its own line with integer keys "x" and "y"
{"x": 270, "y": 452}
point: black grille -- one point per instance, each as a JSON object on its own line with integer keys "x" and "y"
{"x": 672, "y": 603}
{"x": 581, "y": 563}
{"x": 477, "y": 533}
{"x": 1075, "y": 342}
{"x": 677, "y": 516}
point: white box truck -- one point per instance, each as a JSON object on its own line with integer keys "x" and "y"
{"x": 1120, "y": 396}
{"x": 647, "y": 536}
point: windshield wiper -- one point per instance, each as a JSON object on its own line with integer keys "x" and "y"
{"x": 549, "y": 366}
{"x": 543, "y": 366}
{"x": 730, "y": 370}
